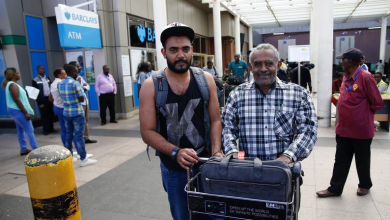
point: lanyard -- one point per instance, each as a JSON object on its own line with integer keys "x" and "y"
{"x": 354, "y": 79}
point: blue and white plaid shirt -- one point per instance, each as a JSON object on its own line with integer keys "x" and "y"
{"x": 282, "y": 122}
{"x": 70, "y": 90}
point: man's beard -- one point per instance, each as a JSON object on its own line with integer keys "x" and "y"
{"x": 172, "y": 66}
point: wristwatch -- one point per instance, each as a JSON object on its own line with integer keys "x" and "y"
{"x": 174, "y": 153}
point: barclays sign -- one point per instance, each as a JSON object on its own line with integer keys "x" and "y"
{"x": 77, "y": 27}
{"x": 145, "y": 34}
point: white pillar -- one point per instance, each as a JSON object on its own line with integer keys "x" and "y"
{"x": 250, "y": 37}
{"x": 237, "y": 34}
{"x": 314, "y": 48}
{"x": 160, "y": 22}
{"x": 383, "y": 40}
{"x": 325, "y": 55}
{"x": 217, "y": 36}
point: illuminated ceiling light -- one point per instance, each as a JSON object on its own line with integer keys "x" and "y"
{"x": 278, "y": 33}
{"x": 374, "y": 28}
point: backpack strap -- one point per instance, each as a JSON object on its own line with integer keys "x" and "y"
{"x": 160, "y": 97}
{"x": 160, "y": 91}
{"x": 202, "y": 84}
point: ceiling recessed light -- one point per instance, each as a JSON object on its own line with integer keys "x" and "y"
{"x": 374, "y": 27}
{"x": 278, "y": 33}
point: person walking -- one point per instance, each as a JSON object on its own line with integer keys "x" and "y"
{"x": 43, "y": 82}
{"x": 305, "y": 77}
{"x": 358, "y": 102}
{"x": 183, "y": 135}
{"x": 238, "y": 67}
{"x": 105, "y": 88}
{"x": 72, "y": 93}
{"x": 86, "y": 88}
{"x": 19, "y": 109}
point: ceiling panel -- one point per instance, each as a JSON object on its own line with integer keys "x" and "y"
{"x": 268, "y": 13}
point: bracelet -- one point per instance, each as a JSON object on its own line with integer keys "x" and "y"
{"x": 220, "y": 151}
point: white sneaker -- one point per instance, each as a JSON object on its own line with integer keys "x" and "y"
{"x": 86, "y": 156}
{"x": 87, "y": 162}
{"x": 74, "y": 159}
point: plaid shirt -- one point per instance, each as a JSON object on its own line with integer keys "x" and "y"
{"x": 282, "y": 122}
{"x": 70, "y": 90}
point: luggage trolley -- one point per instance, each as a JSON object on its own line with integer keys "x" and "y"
{"x": 206, "y": 206}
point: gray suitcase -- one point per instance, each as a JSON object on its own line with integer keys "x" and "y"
{"x": 249, "y": 178}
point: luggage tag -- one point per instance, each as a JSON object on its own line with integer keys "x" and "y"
{"x": 241, "y": 155}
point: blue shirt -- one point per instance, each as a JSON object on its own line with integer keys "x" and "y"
{"x": 70, "y": 90}
{"x": 238, "y": 68}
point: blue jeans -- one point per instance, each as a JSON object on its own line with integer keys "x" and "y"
{"x": 75, "y": 127}
{"x": 60, "y": 114}
{"x": 23, "y": 126}
{"x": 174, "y": 183}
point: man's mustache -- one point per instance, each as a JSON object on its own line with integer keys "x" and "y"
{"x": 178, "y": 61}
{"x": 263, "y": 73}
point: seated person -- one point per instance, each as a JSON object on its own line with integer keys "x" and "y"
{"x": 382, "y": 86}
{"x": 270, "y": 119}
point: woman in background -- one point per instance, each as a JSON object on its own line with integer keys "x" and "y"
{"x": 19, "y": 109}
{"x": 58, "y": 103}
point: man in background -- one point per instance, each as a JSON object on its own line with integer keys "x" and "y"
{"x": 86, "y": 88}
{"x": 210, "y": 68}
{"x": 238, "y": 67}
{"x": 105, "y": 88}
{"x": 358, "y": 102}
{"x": 73, "y": 95}
{"x": 43, "y": 82}
{"x": 305, "y": 77}
{"x": 382, "y": 86}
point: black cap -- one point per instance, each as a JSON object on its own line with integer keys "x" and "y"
{"x": 353, "y": 54}
{"x": 176, "y": 29}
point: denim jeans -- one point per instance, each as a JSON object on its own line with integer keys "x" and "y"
{"x": 23, "y": 126}
{"x": 60, "y": 114}
{"x": 75, "y": 128}
{"x": 174, "y": 183}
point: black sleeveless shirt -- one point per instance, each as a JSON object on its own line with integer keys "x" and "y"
{"x": 184, "y": 126}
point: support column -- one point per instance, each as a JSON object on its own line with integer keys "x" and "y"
{"x": 160, "y": 22}
{"x": 383, "y": 40}
{"x": 250, "y": 37}
{"x": 324, "y": 46}
{"x": 237, "y": 39}
{"x": 314, "y": 48}
{"x": 217, "y": 36}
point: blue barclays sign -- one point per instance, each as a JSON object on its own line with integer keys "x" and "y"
{"x": 77, "y": 27}
{"x": 145, "y": 34}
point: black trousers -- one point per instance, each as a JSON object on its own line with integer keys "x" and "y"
{"x": 346, "y": 148}
{"x": 107, "y": 100}
{"x": 47, "y": 116}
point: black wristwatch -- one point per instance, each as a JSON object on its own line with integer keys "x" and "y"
{"x": 174, "y": 153}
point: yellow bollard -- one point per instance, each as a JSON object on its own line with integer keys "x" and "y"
{"x": 52, "y": 183}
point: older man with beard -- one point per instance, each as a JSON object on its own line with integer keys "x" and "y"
{"x": 272, "y": 120}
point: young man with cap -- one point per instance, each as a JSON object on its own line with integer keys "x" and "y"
{"x": 181, "y": 135}
{"x": 358, "y": 102}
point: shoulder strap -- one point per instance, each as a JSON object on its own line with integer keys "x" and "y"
{"x": 202, "y": 83}
{"x": 160, "y": 97}
{"x": 160, "y": 90}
